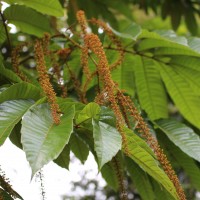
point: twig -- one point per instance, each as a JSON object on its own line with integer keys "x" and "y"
{"x": 135, "y": 53}
{"x": 6, "y": 30}
{"x": 68, "y": 38}
{"x": 26, "y": 59}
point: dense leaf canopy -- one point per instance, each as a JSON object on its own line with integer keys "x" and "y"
{"x": 105, "y": 77}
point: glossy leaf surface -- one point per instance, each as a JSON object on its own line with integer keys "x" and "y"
{"x": 147, "y": 162}
{"x": 42, "y": 140}
{"x": 89, "y": 111}
{"x": 141, "y": 180}
{"x": 63, "y": 159}
{"x": 79, "y": 148}
{"x": 182, "y": 136}
{"x": 184, "y": 98}
{"x": 11, "y": 113}
{"x": 150, "y": 89}
{"x": 28, "y": 20}
{"x": 107, "y": 141}
{"x": 20, "y": 91}
{"x": 53, "y": 7}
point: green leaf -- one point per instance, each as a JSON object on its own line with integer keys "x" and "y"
{"x": 176, "y": 51}
{"x": 161, "y": 42}
{"x": 130, "y": 32}
{"x": 186, "y": 61}
{"x": 90, "y": 111}
{"x": 86, "y": 135}
{"x": 124, "y": 76}
{"x": 190, "y": 21}
{"x": 20, "y": 91}
{"x": 50, "y": 7}
{"x": 186, "y": 101}
{"x": 190, "y": 167}
{"x": 160, "y": 192}
{"x": 3, "y": 33}
{"x": 108, "y": 173}
{"x": 11, "y": 113}
{"x": 165, "y": 43}
{"x": 182, "y": 136}
{"x": 79, "y": 148}
{"x": 171, "y": 35}
{"x": 108, "y": 16}
{"x": 10, "y": 75}
{"x": 120, "y": 6}
{"x": 42, "y": 140}
{"x": 28, "y": 20}
{"x": 96, "y": 9}
{"x": 140, "y": 180}
{"x": 165, "y": 9}
{"x": 194, "y": 43}
{"x": 107, "y": 116}
{"x": 4, "y": 87}
{"x": 64, "y": 158}
{"x": 191, "y": 76}
{"x": 150, "y": 88}
{"x": 15, "y": 136}
{"x": 175, "y": 15}
{"x": 162, "y": 39}
{"x": 145, "y": 160}
{"x": 141, "y": 142}
{"x": 107, "y": 141}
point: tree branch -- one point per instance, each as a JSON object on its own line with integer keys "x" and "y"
{"x": 6, "y": 30}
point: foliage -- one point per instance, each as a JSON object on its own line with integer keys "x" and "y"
{"x": 114, "y": 89}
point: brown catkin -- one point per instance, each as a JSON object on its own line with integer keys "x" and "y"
{"x": 126, "y": 106}
{"x": 114, "y": 40}
{"x": 77, "y": 86}
{"x": 45, "y": 44}
{"x": 60, "y": 54}
{"x": 120, "y": 177}
{"x": 142, "y": 128}
{"x": 95, "y": 45}
{"x": 48, "y": 53}
{"x": 15, "y": 61}
{"x": 84, "y": 50}
{"x": 45, "y": 82}
{"x": 80, "y": 15}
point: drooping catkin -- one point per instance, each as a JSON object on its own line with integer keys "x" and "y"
{"x": 95, "y": 45}
{"x": 80, "y": 15}
{"x": 15, "y": 55}
{"x": 142, "y": 128}
{"x": 113, "y": 39}
{"x": 122, "y": 105}
{"x": 84, "y": 50}
{"x": 45, "y": 43}
{"x": 56, "y": 68}
{"x": 104, "y": 72}
{"x": 120, "y": 177}
{"x": 77, "y": 86}
{"x": 45, "y": 82}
